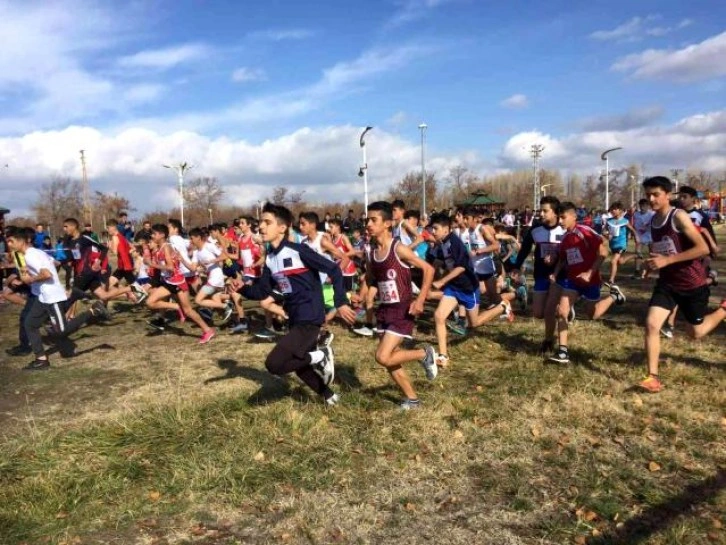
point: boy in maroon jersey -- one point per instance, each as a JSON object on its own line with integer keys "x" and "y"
{"x": 676, "y": 252}
{"x": 581, "y": 253}
{"x": 388, "y": 268}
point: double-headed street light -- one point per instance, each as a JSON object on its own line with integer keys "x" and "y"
{"x": 180, "y": 169}
{"x": 363, "y": 171}
{"x": 606, "y": 158}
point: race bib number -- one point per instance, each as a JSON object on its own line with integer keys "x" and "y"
{"x": 388, "y": 292}
{"x": 247, "y": 260}
{"x": 283, "y": 283}
{"x": 76, "y": 253}
{"x": 548, "y": 250}
{"x": 574, "y": 257}
{"x": 666, "y": 246}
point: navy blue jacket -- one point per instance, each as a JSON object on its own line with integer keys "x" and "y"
{"x": 293, "y": 270}
{"x": 452, "y": 252}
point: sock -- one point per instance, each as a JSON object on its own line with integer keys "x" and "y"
{"x": 413, "y": 401}
{"x": 316, "y": 356}
{"x": 563, "y": 348}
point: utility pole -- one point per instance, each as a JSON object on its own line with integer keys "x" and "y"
{"x": 87, "y": 215}
{"x": 180, "y": 169}
{"x": 422, "y": 127}
{"x": 536, "y": 152}
{"x": 675, "y": 172}
{"x": 606, "y": 157}
{"x": 363, "y": 171}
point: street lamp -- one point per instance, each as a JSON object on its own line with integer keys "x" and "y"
{"x": 544, "y": 189}
{"x": 606, "y": 158}
{"x": 422, "y": 127}
{"x": 211, "y": 220}
{"x": 259, "y": 207}
{"x": 364, "y": 169}
{"x": 180, "y": 169}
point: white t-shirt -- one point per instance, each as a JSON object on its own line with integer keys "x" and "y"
{"x": 49, "y": 291}
{"x": 206, "y": 257}
{"x": 181, "y": 245}
{"x": 641, "y": 224}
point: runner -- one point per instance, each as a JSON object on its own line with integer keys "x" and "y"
{"x": 389, "y": 268}
{"x": 616, "y": 231}
{"x": 294, "y": 270}
{"x": 641, "y": 223}
{"x": 676, "y": 254}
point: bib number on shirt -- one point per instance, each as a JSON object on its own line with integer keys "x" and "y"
{"x": 283, "y": 283}
{"x": 247, "y": 260}
{"x": 666, "y": 246}
{"x": 76, "y": 253}
{"x": 574, "y": 257}
{"x": 388, "y": 292}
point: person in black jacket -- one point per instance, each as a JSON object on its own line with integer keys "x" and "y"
{"x": 291, "y": 273}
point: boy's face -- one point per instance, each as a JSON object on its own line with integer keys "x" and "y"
{"x": 471, "y": 222}
{"x": 172, "y": 229}
{"x": 334, "y": 229}
{"x": 244, "y": 227}
{"x": 307, "y": 227}
{"x": 271, "y": 229}
{"x": 568, "y": 219}
{"x": 376, "y": 225}
{"x": 658, "y": 198}
{"x": 70, "y": 229}
{"x": 15, "y": 244}
{"x": 616, "y": 212}
{"x": 440, "y": 232}
{"x": 398, "y": 213}
{"x": 685, "y": 201}
{"x": 157, "y": 237}
{"x": 356, "y": 235}
{"x": 412, "y": 222}
{"x": 197, "y": 241}
{"x": 547, "y": 214}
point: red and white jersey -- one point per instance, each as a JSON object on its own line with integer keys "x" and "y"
{"x": 249, "y": 254}
{"x": 174, "y": 277}
{"x": 340, "y": 244}
{"x": 580, "y": 249}
{"x": 207, "y": 258}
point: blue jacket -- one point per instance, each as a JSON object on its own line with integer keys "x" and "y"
{"x": 293, "y": 270}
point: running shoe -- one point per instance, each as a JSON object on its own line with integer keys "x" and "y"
{"x": 325, "y": 338}
{"x": 363, "y": 331}
{"x": 241, "y": 327}
{"x": 546, "y": 347}
{"x": 266, "y": 334}
{"x": 37, "y": 365}
{"x": 607, "y": 285}
{"x": 429, "y": 362}
{"x": 206, "y": 314}
{"x": 617, "y": 294}
{"x": 410, "y": 404}
{"x": 207, "y": 336}
{"x": 666, "y": 331}
{"x": 442, "y": 360}
{"x": 326, "y": 368}
{"x": 713, "y": 275}
{"x": 508, "y": 312}
{"x": 19, "y": 350}
{"x": 182, "y": 316}
{"x": 377, "y": 330}
{"x": 332, "y": 401}
{"x": 99, "y": 310}
{"x": 561, "y": 356}
{"x": 458, "y": 327}
{"x": 651, "y": 384}
{"x": 228, "y": 311}
{"x": 158, "y": 323}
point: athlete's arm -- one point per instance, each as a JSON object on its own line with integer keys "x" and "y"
{"x": 327, "y": 245}
{"x": 259, "y": 290}
{"x": 416, "y": 237}
{"x": 630, "y": 228}
{"x": 686, "y": 226}
{"x": 113, "y": 246}
{"x": 491, "y": 237}
{"x": 408, "y": 256}
{"x": 42, "y": 276}
{"x": 316, "y": 262}
{"x": 524, "y": 250}
{"x": 263, "y": 255}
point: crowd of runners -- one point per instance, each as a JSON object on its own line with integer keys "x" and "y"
{"x": 375, "y": 276}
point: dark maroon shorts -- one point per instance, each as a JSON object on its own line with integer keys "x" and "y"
{"x": 395, "y": 319}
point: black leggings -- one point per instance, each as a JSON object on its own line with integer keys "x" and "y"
{"x": 291, "y": 355}
{"x": 39, "y": 313}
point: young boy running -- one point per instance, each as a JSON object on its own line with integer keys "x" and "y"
{"x": 545, "y": 238}
{"x": 641, "y": 223}
{"x": 581, "y": 254}
{"x": 49, "y": 298}
{"x": 208, "y": 257}
{"x": 677, "y": 252}
{"x": 294, "y": 270}
{"x": 459, "y": 286}
{"x": 617, "y": 228}
{"x": 389, "y": 268}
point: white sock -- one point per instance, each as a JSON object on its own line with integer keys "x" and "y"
{"x": 316, "y": 357}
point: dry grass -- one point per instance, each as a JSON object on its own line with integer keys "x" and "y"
{"x": 145, "y": 440}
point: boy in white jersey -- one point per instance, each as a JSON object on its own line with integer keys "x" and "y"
{"x": 401, "y": 229}
{"x": 208, "y": 257}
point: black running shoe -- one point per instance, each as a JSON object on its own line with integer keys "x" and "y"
{"x": 37, "y": 365}
{"x": 158, "y": 323}
{"x": 19, "y": 350}
{"x": 546, "y": 348}
{"x": 561, "y": 356}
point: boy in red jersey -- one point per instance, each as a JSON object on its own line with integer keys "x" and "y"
{"x": 389, "y": 269}
{"x": 581, "y": 253}
{"x": 676, "y": 252}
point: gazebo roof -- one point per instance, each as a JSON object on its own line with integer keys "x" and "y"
{"x": 4, "y": 211}
{"x": 481, "y": 198}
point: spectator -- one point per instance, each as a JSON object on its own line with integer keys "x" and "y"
{"x": 39, "y": 236}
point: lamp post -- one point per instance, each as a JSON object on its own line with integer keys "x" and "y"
{"x": 422, "y": 127}
{"x": 364, "y": 169}
{"x": 544, "y": 190}
{"x": 536, "y": 152}
{"x": 180, "y": 169}
{"x": 211, "y": 220}
{"x": 606, "y": 158}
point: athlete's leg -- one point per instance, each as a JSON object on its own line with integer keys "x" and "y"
{"x": 444, "y": 308}
{"x": 390, "y": 356}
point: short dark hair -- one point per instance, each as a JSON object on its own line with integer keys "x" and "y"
{"x": 175, "y": 223}
{"x": 72, "y": 221}
{"x": 282, "y": 214}
{"x": 567, "y": 206}
{"x": 641, "y": 202}
{"x": 142, "y": 236}
{"x": 336, "y": 221}
{"x": 161, "y": 228}
{"x": 412, "y": 214}
{"x": 111, "y": 223}
{"x": 385, "y": 208}
{"x": 441, "y": 219}
{"x": 398, "y": 203}
{"x": 553, "y": 201}
{"x": 658, "y": 181}
{"x": 311, "y": 217}
{"x": 197, "y": 232}
{"x": 616, "y": 205}
{"x": 249, "y": 220}
{"x": 688, "y": 190}
{"x": 19, "y": 233}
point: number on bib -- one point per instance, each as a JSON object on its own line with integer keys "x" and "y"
{"x": 388, "y": 292}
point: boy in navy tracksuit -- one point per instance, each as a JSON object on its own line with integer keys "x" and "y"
{"x": 293, "y": 270}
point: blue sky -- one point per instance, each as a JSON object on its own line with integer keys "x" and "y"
{"x": 276, "y": 92}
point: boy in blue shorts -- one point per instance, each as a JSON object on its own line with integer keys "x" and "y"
{"x": 616, "y": 230}
{"x": 459, "y": 286}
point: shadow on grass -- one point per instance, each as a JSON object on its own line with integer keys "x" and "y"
{"x": 658, "y": 517}
{"x": 271, "y": 389}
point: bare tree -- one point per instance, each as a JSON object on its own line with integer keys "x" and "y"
{"x": 108, "y": 206}
{"x": 282, "y": 196}
{"x": 58, "y": 199}
{"x": 409, "y": 190}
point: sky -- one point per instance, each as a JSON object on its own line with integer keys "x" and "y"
{"x": 261, "y": 94}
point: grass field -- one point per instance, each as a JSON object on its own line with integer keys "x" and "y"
{"x": 144, "y": 439}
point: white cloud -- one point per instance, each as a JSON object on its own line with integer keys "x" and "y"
{"x": 322, "y": 161}
{"x": 695, "y": 62}
{"x": 278, "y": 35}
{"x": 697, "y": 141}
{"x": 165, "y": 58}
{"x": 638, "y": 28}
{"x": 412, "y": 10}
{"x": 245, "y": 74}
{"x": 515, "y": 102}
{"x": 632, "y": 119}
{"x": 397, "y": 120}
